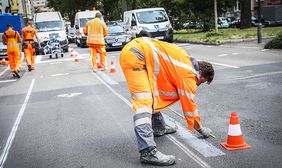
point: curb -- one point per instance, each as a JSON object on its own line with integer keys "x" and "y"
{"x": 221, "y": 41}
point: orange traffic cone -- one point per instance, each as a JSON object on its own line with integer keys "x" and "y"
{"x": 72, "y": 54}
{"x": 113, "y": 68}
{"x": 71, "y": 49}
{"x": 235, "y": 139}
{"x": 3, "y": 62}
{"x": 76, "y": 59}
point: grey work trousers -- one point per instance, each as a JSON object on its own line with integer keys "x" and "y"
{"x": 144, "y": 133}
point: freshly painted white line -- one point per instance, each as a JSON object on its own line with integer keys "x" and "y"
{"x": 200, "y": 145}
{"x": 15, "y": 127}
{"x": 107, "y": 78}
{"x": 175, "y": 141}
{"x": 259, "y": 75}
{"x": 222, "y": 55}
{"x": 226, "y": 65}
{"x": 61, "y": 74}
{"x": 235, "y": 53}
{"x": 53, "y": 63}
{"x": 69, "y": 95}
{"x": 264, "y": 50}
{"x": 5, "y": 70}
{"x": 6, "y": 81}
{"x": 209, "y": 46}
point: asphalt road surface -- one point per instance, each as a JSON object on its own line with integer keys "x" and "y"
{"x": 62, "y": 115}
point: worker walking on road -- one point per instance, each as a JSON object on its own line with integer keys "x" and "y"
{"x": 28, "y": 45}
{"x": 96, "y": 30}
{"x": 158, "y": 75}
{"x": 12, "y": 39}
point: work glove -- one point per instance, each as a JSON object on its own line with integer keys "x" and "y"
{"x": 205, "y": 132}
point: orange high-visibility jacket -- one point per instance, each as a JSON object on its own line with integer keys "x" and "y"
{"x": 28, "y": 34}
{"x": 95, "y": 30}
{"x": 172, "y": 75}
{"x": 11, "y": 38}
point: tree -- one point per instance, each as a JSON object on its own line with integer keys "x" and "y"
{"x": 245, "y": 14}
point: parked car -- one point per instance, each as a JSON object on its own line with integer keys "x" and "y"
{"x": 71, "y": 35}
{"x": 3, "y": 48}
{"x": 222, "y": 22}
{"x": 116, "y": 38}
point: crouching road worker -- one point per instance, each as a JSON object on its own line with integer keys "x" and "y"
{"x": 28, "y": 44}
{"x": 159, "y": 74}
{"x": 96, "y": 30}
{"x": 12, "y": 39}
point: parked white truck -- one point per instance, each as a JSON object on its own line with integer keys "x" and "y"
{"x": 51, "y": 23}
{"x": 153, "y": 21}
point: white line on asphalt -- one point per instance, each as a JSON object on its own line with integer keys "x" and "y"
{"x": 107, "y": 78}
{"x": 259, "y": 75}
{"x": 15, "y": 127}
{"x": 226, "y": 65}
{"x": 209, "y": 46}
{"x": 264, "y": 50}
{"x": 200, "y": 145}
{"x": 60, "y": 74}
{"x": 38, "y": 59}
{"x": 6, "y": 81}
{"x": 69, "y": 95}
{"x": 235, "y": 53}
{"x": 175, "y": 141}
{"x": 222, "y": 55}
{"x": 53, "y": 63}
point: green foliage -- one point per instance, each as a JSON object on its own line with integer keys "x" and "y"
{"x": 275, "y": 43}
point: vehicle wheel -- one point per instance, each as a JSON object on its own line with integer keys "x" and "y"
{"x": 50, "y": 56}
{"x": 62, "y": 55}
{"x": 56, "y": 56}
{"x": 78, "y": 44}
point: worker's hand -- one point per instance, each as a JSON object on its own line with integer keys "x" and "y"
{"x": 205, "y": 132}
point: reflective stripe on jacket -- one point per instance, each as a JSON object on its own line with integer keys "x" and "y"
{"x": 12, "y": 38}
{"x": 95, "y": 30}
{"x": 172, "y": 75}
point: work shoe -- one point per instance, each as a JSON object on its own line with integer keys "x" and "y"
{"x": 16, "y": 74}
{"x": 103, "y": 69}
{"x": 95, "y": 70}
{"x": 167, "y": 130}
{"x": 155, "y": 157}
{"x": 29, "y": 68}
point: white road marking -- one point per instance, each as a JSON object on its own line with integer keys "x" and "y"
{"x": 235, "y": 53}
{"x": 175, "y": 141}
{"x": 38, "y": 59}
{"x": 15, "y": 127}
{"x": 226, "y": 65}
{"x": 264, "y": 50}
{"x": 209, "y": 46}
{"x": 222, "y": 55}
{"x": 53, "y": 63}
{"x": 60, "y": 74}
{"x": 6, "y": 81}
{"x": 107, "y": 78}
{"x": 259, "y": 75}
{"x": 69, "y": 95}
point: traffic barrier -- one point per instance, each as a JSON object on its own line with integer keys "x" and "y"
{"x": 235, "y": 139}
{"x": 113, "y": 68}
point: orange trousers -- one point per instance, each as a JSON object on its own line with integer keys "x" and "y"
{"x": 29, "y": 55}
{"x": 14, "y": 58}
{"x": 94, "y": 49}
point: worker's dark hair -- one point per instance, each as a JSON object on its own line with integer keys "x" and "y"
{"x": 9, "y": 25}
{"x": 207, "y": 70}
{"x": 29, "y": 22}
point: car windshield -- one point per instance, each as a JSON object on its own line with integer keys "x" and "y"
{"x": 83, "y": 21}
{"x": 155, "y": 16}
{"x": 115, "y": 29}
{"x": 49, "y": 26}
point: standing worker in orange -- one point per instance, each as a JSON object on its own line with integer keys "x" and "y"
{"x": 12, "y": 39}
{"x": 96, "y": 30}
{"x": 28, "y": 44}
{"x": 159, "y": 74}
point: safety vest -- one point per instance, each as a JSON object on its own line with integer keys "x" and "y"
{"x": 28, "y": 35}
{"x": 11, "y": 38}
{"x": 95, "y": 30}
{"x": 172, "y": 76}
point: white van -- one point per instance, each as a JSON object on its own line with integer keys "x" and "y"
{"x": 153, "y": 21}
{"x": 80, "y": 21}
{"x": 48, "y": 23}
